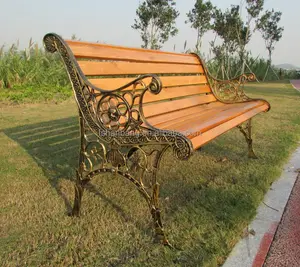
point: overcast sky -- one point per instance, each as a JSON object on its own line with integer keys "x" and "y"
{"x": 110, "y": 22}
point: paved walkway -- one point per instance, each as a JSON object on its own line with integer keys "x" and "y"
{"x": 285, "y": 249}
{"x": 276, "y": 225}
{"x": 296, "y": 84}
{"x": 275, "y": 241}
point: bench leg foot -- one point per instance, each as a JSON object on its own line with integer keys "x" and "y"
{"x": 251, "y": 153}
{"x": 78, "y": 196}
{"x": 156, "y": 215}
{"x": 247, "y": 132}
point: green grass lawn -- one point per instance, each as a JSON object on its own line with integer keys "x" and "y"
{"x": 206, "y": 201}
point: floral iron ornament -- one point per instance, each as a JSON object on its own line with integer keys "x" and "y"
{"x": 115, "y": 135}
{"x": 229, "y": 91}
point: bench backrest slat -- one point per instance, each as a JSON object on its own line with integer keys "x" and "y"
{"x": 109, "y": 52}
{"x": 94, "y": 68}
{"x": 108, "y": 67}
{"x": 154, "y": 109}
{"x": 167, "y": 81}
{"x": 176, "y": 92}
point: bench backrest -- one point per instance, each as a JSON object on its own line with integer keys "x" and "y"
{"x": 182, "y": 75}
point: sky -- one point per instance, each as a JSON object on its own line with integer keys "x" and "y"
{"x": 110, "y": 22}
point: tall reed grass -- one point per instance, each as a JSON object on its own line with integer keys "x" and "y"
{"x": 30, "y": 66}
{"x": 33, "y": 74}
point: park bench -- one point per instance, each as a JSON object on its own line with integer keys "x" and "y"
{"x": 134, "y": 104}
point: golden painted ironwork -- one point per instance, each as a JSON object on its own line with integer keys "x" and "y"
{"x": 115, "y": 135}
{"x": 246, "y": 130}
{"x": 231, "y": 91}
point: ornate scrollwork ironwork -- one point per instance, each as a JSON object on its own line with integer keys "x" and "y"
{"x": 231, "y": 91}
{"x": 122, "y": 140}
{"x": 228, "y": 91}
{"x": 117, "y": 115}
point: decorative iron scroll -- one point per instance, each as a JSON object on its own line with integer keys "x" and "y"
{"x": 117, "y": 116}
{"x": 228, "y": 91}
{"x": 115, "y": 135}
{"x": 231, "y": 91}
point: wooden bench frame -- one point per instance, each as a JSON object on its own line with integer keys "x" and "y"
{"x": 134, "y": 151}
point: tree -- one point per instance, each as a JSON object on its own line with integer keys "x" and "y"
{"x": 156, "y": 22}
{"x": 200, "y": 18}
{"x": 226, "y": 24}
{"x": 271, "y": 32}
{"x": 254, "y": 8}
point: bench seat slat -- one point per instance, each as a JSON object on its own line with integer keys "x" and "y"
{"x": 167, "y": 81}
{"x": 95, "y": 68}
{"x": 109, "y": 52}
{"x": 182, "y": 113}
{"x": 207, "y": 136}
{"x": 211, "y": 118}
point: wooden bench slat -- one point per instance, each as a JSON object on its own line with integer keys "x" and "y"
{"x": 214, "y": 117}
{"x": 200, "y": 111}
{"x": 207, "y": 136}
{"x": 169, "y": 106}
{"x": 92, "y": 68}
{"x": 170, "y": 93}
{"x": 109, "y": 52}
{"x": 114, "y": 83}
{"x": 175, "y": 92}
{"x": 182, "y": 113}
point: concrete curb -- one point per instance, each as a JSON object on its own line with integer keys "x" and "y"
{"x": 294, "y": 82}
{"x": 252, "y": 250}
{"x": 285, "y": 248}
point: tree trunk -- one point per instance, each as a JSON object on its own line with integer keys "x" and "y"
{"x": 269, "y": 63}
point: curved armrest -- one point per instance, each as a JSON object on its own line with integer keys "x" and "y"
{"x": 116, "y": 116}
{"x": 241, "y": 79}
{"x": 231, "y": 91}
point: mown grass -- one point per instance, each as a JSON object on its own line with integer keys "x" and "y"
{"x": 206, "y": 201}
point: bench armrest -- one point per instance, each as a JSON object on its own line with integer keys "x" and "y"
{"x": 121, "y": 112}
{"x": 228, "y": 91}
{"x": 231, "y": 91}
{"x": 116, "y": 116}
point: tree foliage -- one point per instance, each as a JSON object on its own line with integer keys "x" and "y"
{"x": 253, "y": 8}
{"x": 200, "y": 18}
{"x": 226, "y": 25}
{"x": 270, "y": 30}
{"x": 156, "y": 22}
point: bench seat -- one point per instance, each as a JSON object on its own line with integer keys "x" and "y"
{"x": 205, "y": 122}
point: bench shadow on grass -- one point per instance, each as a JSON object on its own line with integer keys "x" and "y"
{"x": 54, "y": 145}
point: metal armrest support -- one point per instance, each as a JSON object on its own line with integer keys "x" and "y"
{"x": 116, "y": 116}
{"x": 231, "y": 91}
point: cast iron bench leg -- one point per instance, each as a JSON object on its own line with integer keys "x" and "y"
{"x": 78, "y": 196}
{"x": 247, "y": 132}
